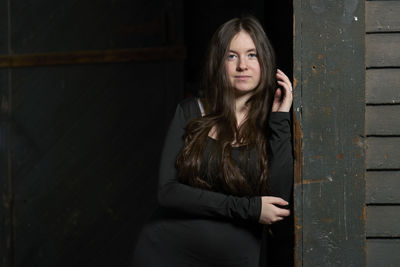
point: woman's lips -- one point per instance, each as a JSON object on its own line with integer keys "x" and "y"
{"x": 242, "y": 77}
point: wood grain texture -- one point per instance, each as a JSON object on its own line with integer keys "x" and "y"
{"x": 383, "y": 221}
{"x": 297, "y": 187}
{"x": 382, "y": 16}
{"x": 383, "y": 86}
{"x": 382, "y": 187}
{"x": 4, "y": 32}
{"x": 5, "y": 172}
{"x": 382, "y": 120}
{"x": 383, "y": 253}
{"x": 297, "y": 109}
{"x": 85, "y": 158}
{"x": 383, "y": 153}
{"x": 72, "y": 25}
{"x": 382, "y": 50}
{"x": 85, "y": 136}
{"x": 330, "y": 68}
{"x": 5, "y": 208}
{"x": 93, "y": 57}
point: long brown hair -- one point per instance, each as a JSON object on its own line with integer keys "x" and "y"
{"x": 219, "y": 107}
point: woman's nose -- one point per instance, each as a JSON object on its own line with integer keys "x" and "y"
{"x": 242, "y": 65}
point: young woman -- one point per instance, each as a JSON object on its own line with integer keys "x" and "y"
{"x": 226, "y": 169}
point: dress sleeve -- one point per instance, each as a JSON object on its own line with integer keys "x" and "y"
{"x": 281, "y": 157}
{"x": 191, "y": 200}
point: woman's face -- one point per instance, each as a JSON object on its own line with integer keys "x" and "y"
{"x": 242, "y": 66}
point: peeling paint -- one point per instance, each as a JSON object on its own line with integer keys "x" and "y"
{"x": 314, "y": 181}
{"x": 345, "y": 211}
{"x": 327, "y": 110}
{"x": 349, "y": 8}
{"x": 329, "y": 220}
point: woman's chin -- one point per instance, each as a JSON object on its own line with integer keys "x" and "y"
{"x": 243, "y": 91}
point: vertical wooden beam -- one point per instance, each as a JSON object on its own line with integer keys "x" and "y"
{"x": 329, "y": 74}
{"x": 298, "y": 159}
{"x": 298, "y": 164}
{"x": 6, "y": 202}
{"x": 5, "y": 208}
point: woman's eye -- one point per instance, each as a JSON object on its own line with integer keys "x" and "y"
{"x": 231, "y": 57}
{"x": 252, "y": 55}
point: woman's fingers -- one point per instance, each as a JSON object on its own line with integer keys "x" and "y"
{"x": 286, "y": 86}
{"x": 282, "y": 212}
{"x": 270, "y": 213}
{"x": 284, "y": 81}
{"x": 283, "y": 76}
{"x": 286, "y": 102}
{"x": 277, "y": 100}
{"x": 276, "y": 219}
{"x": 276, "y": 200}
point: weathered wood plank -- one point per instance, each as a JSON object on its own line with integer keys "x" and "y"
{"x": 330, "y": 68}
{"x": 382, "y": 120}
{"x": 5, "y": 208}
{"x": 382, "y": 16}
{"x": 83, "y": 146}
{"x": 382, "y": 187}
{"x": 93, "y": 57}
{"x": 74, "y": 146}
{"x": 298, "y": 135}
{"x": 71, "y": 25}
{"x": 383, "y": 253}
{"x": 297, "y": 188}
{"x": 383, "y": 221}
{"x": 4, "y": 33}
{"x": 383, "y": 153}
{"x": 383, "y": 86}
{"x": 5, "y": 160}
{"x": 382, "y": 50}
{"x": 4, "y": 94}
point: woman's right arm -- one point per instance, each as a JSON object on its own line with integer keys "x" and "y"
{"x": 191, "y": 200}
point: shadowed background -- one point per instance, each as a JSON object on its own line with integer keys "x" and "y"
{"x": 86, "y": 93}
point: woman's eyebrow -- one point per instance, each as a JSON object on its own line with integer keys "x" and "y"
{"x": 248, "y": 50}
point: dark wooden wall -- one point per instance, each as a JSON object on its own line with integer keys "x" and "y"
{"x": 329, "y": 75}
{"x": 383, "y": 132}
{"x": 86, "y": 92}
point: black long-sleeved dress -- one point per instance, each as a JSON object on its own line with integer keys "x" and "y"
{"x": 198, "y": 227}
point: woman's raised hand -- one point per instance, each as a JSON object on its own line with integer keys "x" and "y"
{"x": 283, "y": 105}
{"x": 271, "y": 213}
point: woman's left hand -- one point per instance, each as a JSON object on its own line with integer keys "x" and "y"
{"x": 279, "y": 104}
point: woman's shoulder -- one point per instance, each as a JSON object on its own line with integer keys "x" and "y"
{"x": 190, "y": 108}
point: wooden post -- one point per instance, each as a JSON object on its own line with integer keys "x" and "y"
{"x": 329, "y": 74}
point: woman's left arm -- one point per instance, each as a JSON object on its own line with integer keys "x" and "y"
{"x": 280, "y": 181}
{"x": 281, "y": 154}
